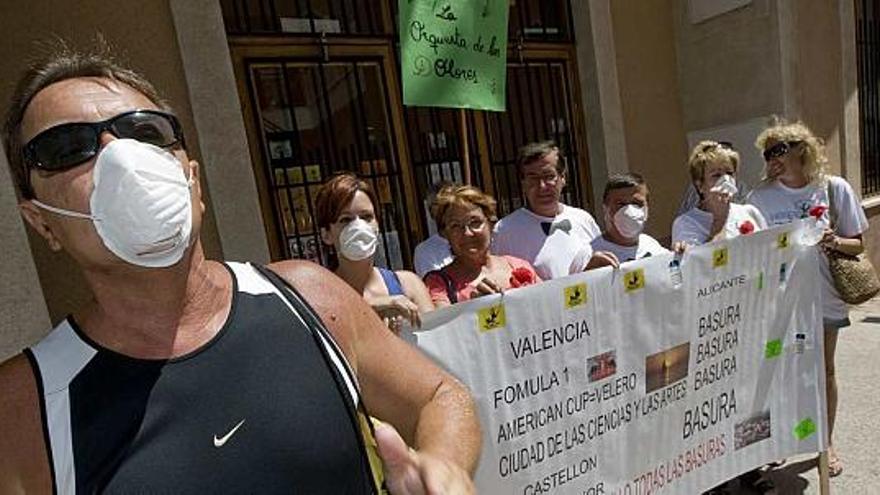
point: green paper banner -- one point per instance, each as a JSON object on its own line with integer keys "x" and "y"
{"x": 454, "y": 53}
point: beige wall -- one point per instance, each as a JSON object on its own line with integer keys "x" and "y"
{"x": 652, "y": 112}
{"x": 23, "y": 314}
{"x": 769, "y": 57}
{"x": 597, "y": 66}
{"x": 216, "y": 108}
{"x": 729, "y": 66}
{"x": 816, "y": 71}
{"x": 144, "y": 36}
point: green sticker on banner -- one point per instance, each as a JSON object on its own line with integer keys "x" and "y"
{"x": 773, "y": 349}
{"x": 453, "y": 53}
{"x": 804, "y": 429}
{"x": 760, "y": 280}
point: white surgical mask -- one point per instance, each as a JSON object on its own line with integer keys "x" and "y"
{"x": 630, "y": 221}
{"x": 358, "y": 240}
{"x": 141, "y": 205}
{"x": 726, "y": 184}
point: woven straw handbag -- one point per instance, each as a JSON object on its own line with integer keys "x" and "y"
{"x": 854, "y": 276}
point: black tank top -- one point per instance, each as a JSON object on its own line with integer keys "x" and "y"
{"x": 261, "y": 408}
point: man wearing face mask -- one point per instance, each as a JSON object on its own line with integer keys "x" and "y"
{"x": 185, "y": 375}
{"x": 625, "y": 202}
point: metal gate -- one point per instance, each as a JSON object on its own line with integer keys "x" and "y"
{"x": 314, "y": 118}
{"x": 320, "y": 80}
{"x": 868, "y": 55}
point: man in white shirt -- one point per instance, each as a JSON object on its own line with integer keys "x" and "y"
{"x": 432, "y": 254}
{"x": 554, "y": 237}
{"x": 625, "y": 202}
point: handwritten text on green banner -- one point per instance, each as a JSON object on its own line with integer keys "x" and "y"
{"x": 454, "y": 53}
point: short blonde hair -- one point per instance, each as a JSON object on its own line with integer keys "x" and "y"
{"x": 458, "y": 195}
{"x": 811, "y": 149}
{"x": 706, "y": 152}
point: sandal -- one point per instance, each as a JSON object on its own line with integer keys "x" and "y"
{"x": 835, "y": 465}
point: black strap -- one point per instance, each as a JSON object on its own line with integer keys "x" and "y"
{"x": 450, "y": 286}
{"x": 320, "y": 335}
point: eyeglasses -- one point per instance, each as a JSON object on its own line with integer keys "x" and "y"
{"x": 67, "y": 145}
{"x": 779, "y": 149}
{"x": 549, "y": 178}
{"x": 727, "y": 145}
{"x": 475, "y": 224}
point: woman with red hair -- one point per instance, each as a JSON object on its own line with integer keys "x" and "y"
{"x": 345, "y": 208}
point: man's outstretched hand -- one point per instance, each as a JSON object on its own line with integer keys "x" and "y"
{"x": 408, "y": 472}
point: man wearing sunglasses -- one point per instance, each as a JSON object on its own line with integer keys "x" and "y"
{"x": 185, "y": 375}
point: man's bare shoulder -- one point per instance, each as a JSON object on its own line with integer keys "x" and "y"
{"x": 305, "y": 275}
{"x": 317, "y": 284}
{"x": 338, "y": 305}
{"x": 23, "y": 460}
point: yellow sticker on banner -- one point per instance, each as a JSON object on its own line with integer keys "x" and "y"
{"x": 719, "y": 257}
{"x": 634, "y": 280}
{"x": 782, "y": 240}
{"x": 491, "y": 318}
{"x": 575, "y": 295}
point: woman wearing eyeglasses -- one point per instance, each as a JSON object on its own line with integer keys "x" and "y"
{"x": 712, "y": 167}
{"x": 797, "y": 185}
{"x": 465, "y": 215}
{"x": 345, "y": 209}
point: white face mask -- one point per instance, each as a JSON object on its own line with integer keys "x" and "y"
{"x": 630, "y": 221}
{"x": 141, "y": 205}
{"x": 358, "y": 240}
{"x": 726, "y": 184}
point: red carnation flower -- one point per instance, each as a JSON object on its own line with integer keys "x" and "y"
{"x": 817, "y": 211}
{"x": 746, "y": 228}
{"x": 521, "y": 277}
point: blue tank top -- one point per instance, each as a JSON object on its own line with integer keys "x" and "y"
{"x": 392, "y": 282}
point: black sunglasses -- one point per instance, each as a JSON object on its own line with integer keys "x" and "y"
{"x": 68, "y": 145}
{"x": 779, "y": 149}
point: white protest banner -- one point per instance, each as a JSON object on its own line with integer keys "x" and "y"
{"x": 647, "y": 379}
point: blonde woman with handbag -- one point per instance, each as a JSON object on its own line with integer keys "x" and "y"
{"x": 797, "y": 185}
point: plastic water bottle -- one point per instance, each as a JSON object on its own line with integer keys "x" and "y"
{"x": 813, "y": 231}
{"x": 675, "y": 273}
